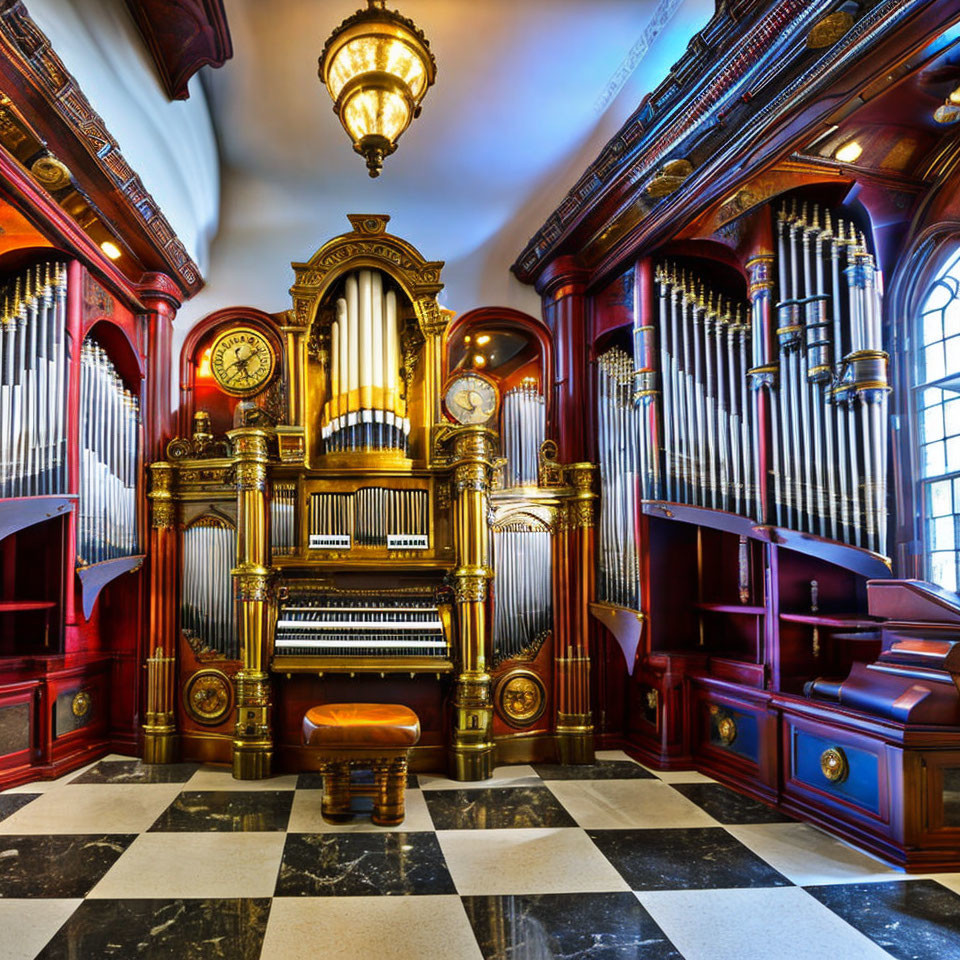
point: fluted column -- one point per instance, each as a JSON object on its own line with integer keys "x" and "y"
{"x": 159, "y": 730}
{"x": 574, "y": 716}
{"x": 253, "y": 740}
{"x": 471, "y": 742}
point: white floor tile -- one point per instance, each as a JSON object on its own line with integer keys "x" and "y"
{"x": 385, "y": 928}
{"x": 42, "y": 786}
{"x": 518, "y": 861}
{"x": 682, "y": 776}
{"x": 93, "y": 808}
{"x": 517, "y": 775}
{"x": 808, "y": 856}
{"x": 221, "y": 778}
{"x": 26, "y": 926}
{"x": 195, "y": 865}
{"x": 627, "y": 804}
{"x": 305, "y": 816}
{"x": 765, "y": 924}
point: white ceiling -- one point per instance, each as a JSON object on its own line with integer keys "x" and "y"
{"x": 516, "y": 114}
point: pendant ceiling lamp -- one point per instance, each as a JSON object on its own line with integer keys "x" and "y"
{"x": 377, "y": 66}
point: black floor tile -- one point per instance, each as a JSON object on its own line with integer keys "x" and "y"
{"x": 601, "y": 770}
{"x": 161, "y": 930}
{"x": 133, "y": 771}
{"x": 910, "y": 919}
{"x": 199, "y": 811}
{"x": 57, "y": 866}
{"x": 362, "y": 864}
{"x": 689, "y": 859}
{"x": 728, "y": 806}
{"x": 601, "y": 926}
{"x": 12, "y": 802}
{"x": 495, "y": 808}
{"x": 314, "y": 781}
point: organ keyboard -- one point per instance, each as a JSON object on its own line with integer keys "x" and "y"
{"x": 342, "y": 631}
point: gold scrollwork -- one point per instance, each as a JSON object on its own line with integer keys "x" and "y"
{"x": 471, "y": 588}
{"x": 208, "y": 696}
{"x": 520, "y": 698}
{"x": 725, "y": 725}
{"x": 252, "y": 586}
{"x": 250, "y": 475}
{"x": 833, "y": 764}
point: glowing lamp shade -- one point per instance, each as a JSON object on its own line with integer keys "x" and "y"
{"x": 377, "y": 67}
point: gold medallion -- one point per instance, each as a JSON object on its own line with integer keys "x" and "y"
{"x": 833, "y": 764}
{"x": 242, "y": 361}
{"x": 80, "y": 704}
{"x": 207, "y": 696}
{"x": 521, "y": 698}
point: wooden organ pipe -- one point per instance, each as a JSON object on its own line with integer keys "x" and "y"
{"x": 109, "y": 441}
{"x": 33, "y": 383}
{"x": 366, "y": 409}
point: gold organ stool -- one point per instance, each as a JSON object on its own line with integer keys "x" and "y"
{"x": 348, "y": 735}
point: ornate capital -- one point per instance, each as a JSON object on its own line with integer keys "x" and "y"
{"x": 164, "y": 512}
{"x": 471, "y": 587}
{"x": 252, "y": 583}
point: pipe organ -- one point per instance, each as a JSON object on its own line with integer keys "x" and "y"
{"x": 34, "y": 374}
{"x": 367, "y": 409}
{"x": 109, "y": 459}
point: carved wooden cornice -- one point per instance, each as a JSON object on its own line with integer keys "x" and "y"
{"x": 35, "y": 78}
{"x": 750, "y": 86}
{"x": 183, "y": 36}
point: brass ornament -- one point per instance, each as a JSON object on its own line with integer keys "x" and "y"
{"x": 520, "y": 698}
{"x": 725, "y": 724}
{"x": 242, "y": 361}
{"x": 669, "y": 178}
{"x": 51, "y": 173}
{"x": 80, "y": 706}
{"x": 833, "y": 764}
{"x": 826, "y": 32}
{"x": 208, "y": 696}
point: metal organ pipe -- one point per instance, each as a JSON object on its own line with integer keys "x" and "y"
{"x": 109, "y": 435}
{"x": 33, "y": 382}
{"x": 207, "y": 611}
{"x": 366, "y": 409}
{"x": 709, "y": 444}
{"x": 620, "y": 424}
{"x": 523, "y": 428}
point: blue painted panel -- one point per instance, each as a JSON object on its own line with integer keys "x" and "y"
{"x": 862, "y": 783}
{"x": 747, "y": 741}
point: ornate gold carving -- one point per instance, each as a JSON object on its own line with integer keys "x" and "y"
{"x": 725, "y": 725}
{"x": 550, "y": 470}
{"x": 444, "y": 496}
{"x": 471, "y": 588}
{"x": 833, "y": 763}
{"x": 582, "y": 506}
{"x": 51, "y": 173}
{"x": 521, "y": 697}
{"x": 208, "y": 696}
{"x": 250, "y": 475}
{"x": 164, "y": 509}
{"x": 826, "y": 32}
{"x": 81, "y": 703}
{"x": 369, "y": 224}
{"x": 252, "y": 585}
{"x": 201, "y": 445}
{"x": 669, "y": 178}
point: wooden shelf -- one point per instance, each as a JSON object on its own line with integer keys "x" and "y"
{"x": 859, "y": 560}
{"x": 17, "y": 606}
{"x": 742, "y": 608}
{"x": 839, "y": 621}
{"x": 351, "y": 665}
{"x": 96, "y": 576}
{"x": 18, "y": 513}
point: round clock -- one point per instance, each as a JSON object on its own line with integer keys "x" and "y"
{"x": 242, "y": 361}
{"x": 207, "y": 696}
{"x": 471, "y": 398}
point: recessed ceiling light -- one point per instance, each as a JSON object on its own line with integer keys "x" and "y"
{"x": 111, "y": 249}
{"x": 849, "y": 152}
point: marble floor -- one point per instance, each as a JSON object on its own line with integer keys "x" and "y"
{"x": 611, "y": 861}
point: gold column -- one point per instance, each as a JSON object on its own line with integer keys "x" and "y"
{"x": 574, "y": 717}
{"x": 159, "y": 731}
{"x": 253, "y": 742}
{"x": 472, "y": 744}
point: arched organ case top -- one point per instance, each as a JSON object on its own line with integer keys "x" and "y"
{"x": 34, "y": 375}
{"x": 109, "y": 464}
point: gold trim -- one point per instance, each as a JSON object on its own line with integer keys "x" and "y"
{"x": 834, "y": 765}
{"x": 506, "y": 704}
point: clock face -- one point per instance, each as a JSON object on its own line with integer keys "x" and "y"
{"x": 471, "y": 399}
{"x": 242, "y": 361}
{"x": 207, "y": 696}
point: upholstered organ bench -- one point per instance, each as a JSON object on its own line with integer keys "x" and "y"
{"x": 345, "y": 736}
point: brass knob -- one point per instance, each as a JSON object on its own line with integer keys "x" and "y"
{"x": 833, "y": 763}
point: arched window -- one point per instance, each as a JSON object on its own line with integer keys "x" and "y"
{"x": 937, "y": 406}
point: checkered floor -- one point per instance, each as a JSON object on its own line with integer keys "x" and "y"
{"x": 610, "y": 861}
